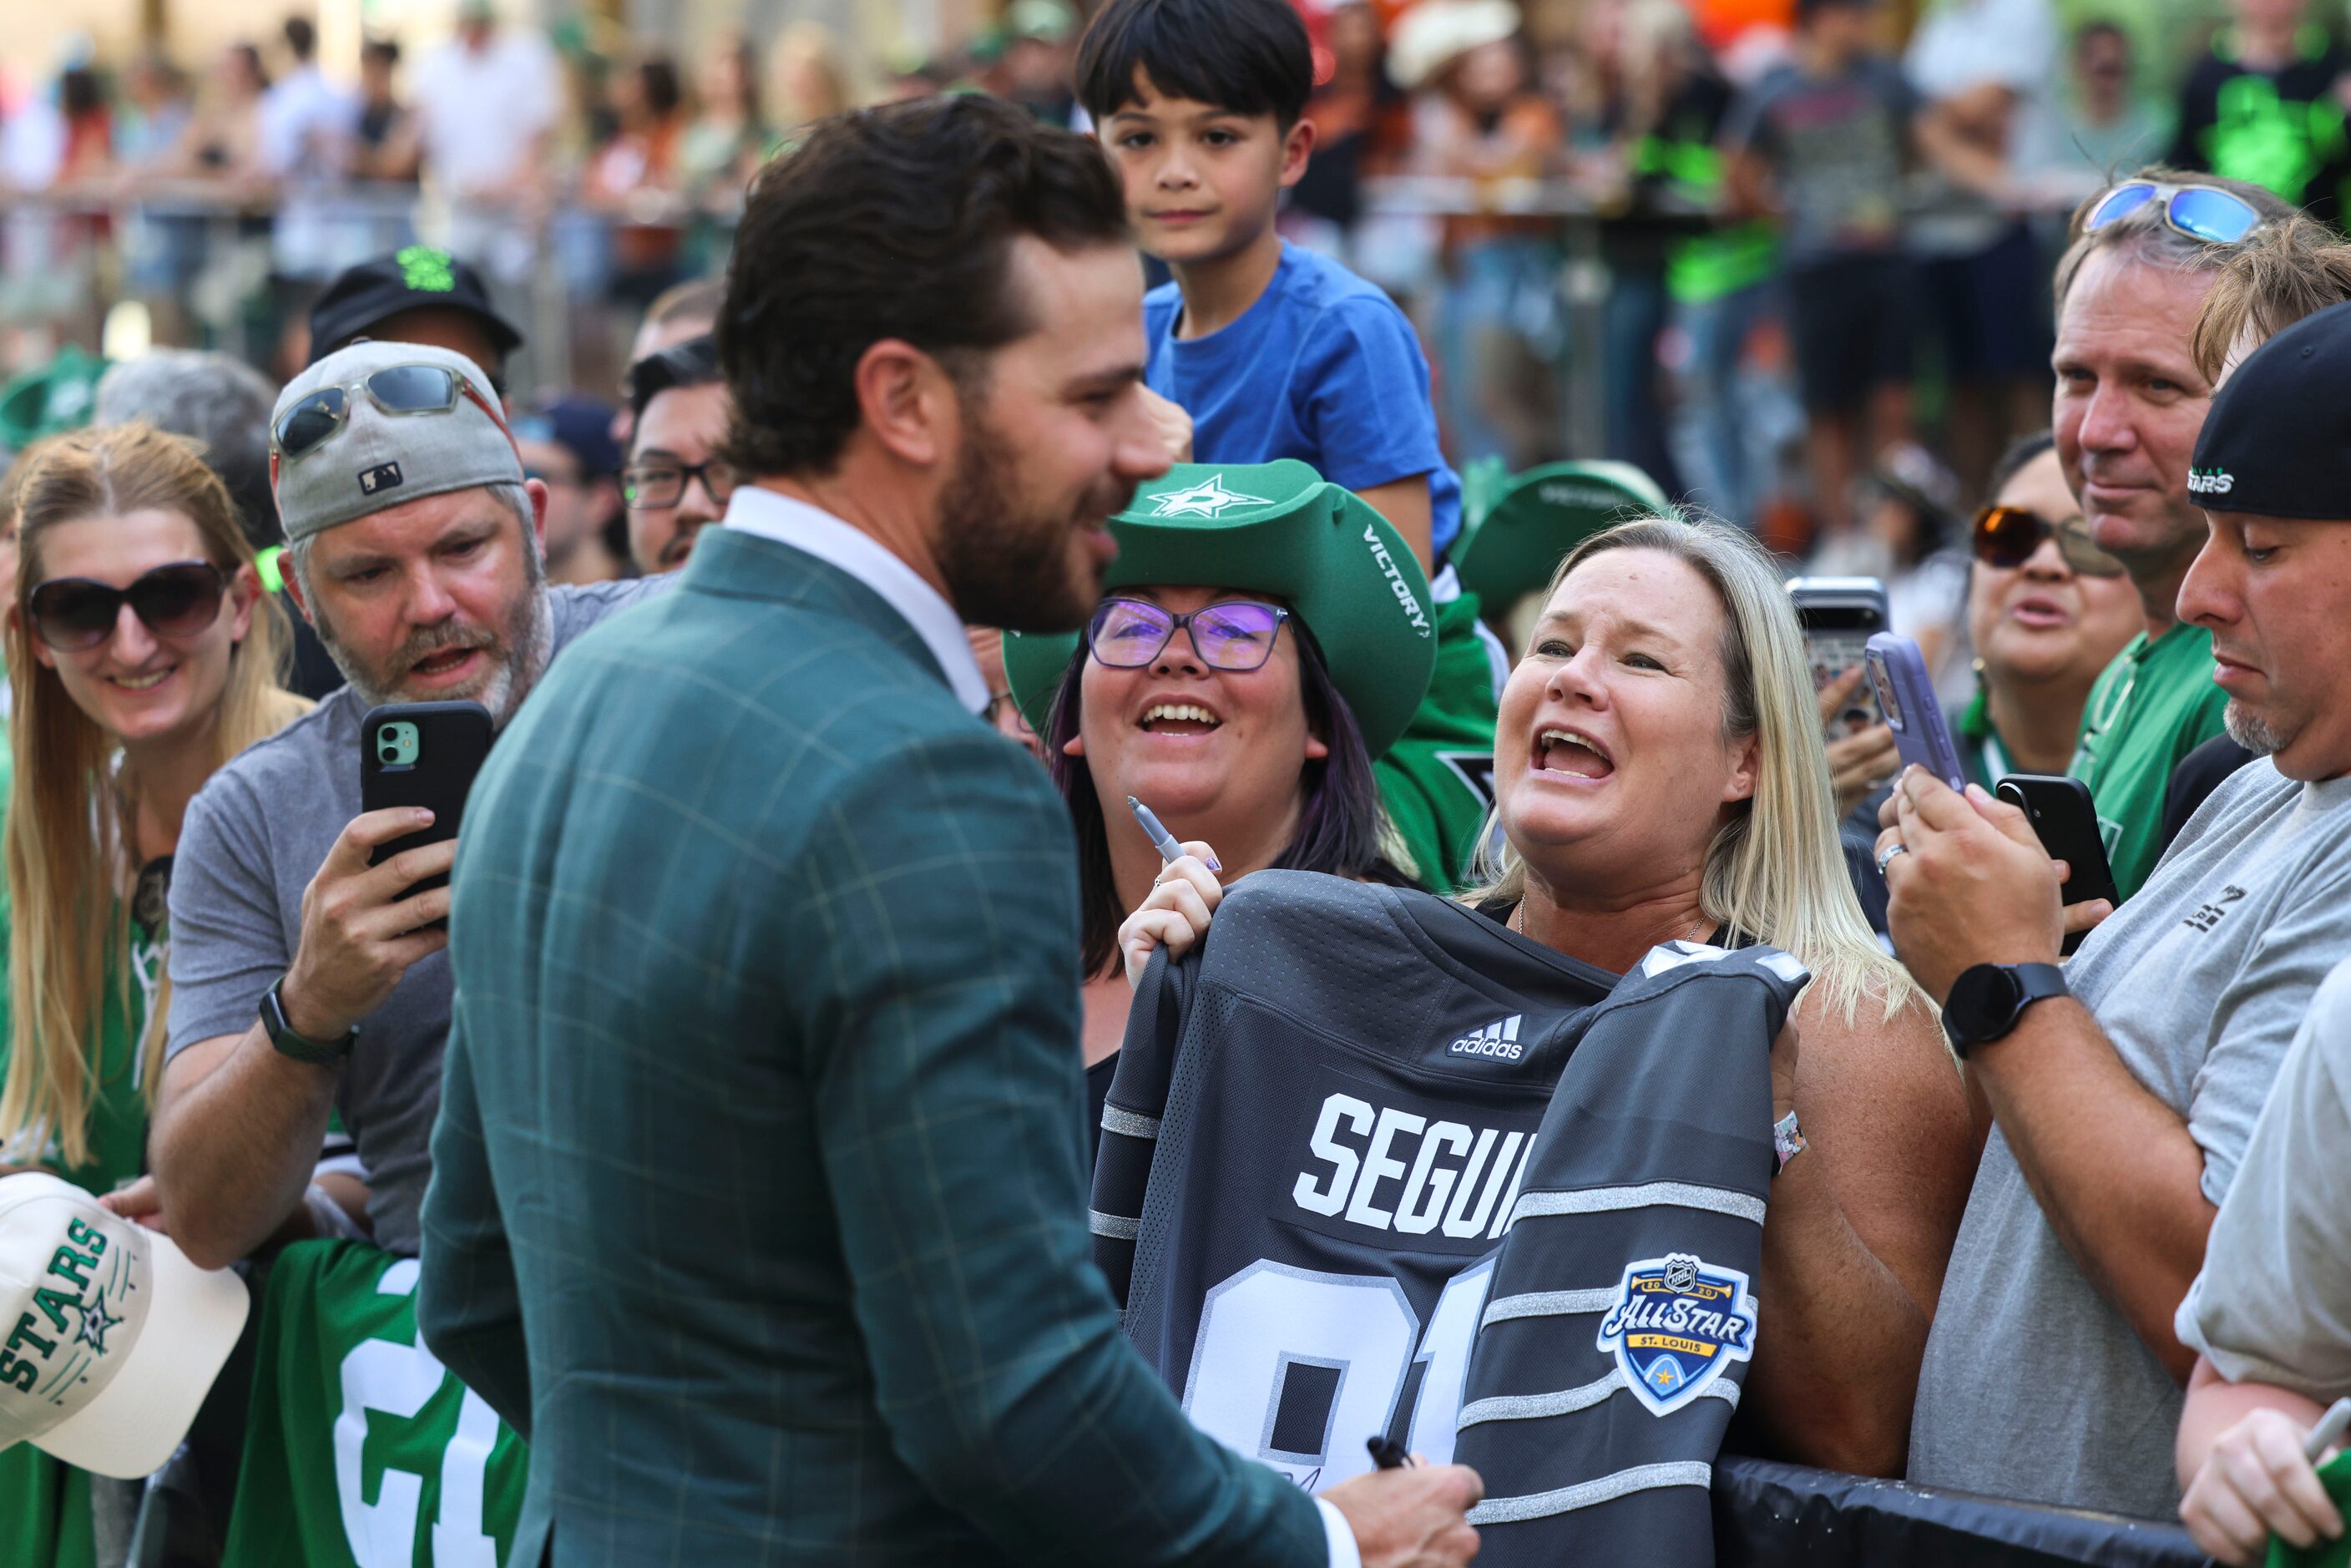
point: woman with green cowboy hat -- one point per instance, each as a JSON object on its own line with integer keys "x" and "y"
{"x": 1264, "y": 637}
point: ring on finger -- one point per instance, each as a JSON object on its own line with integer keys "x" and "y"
{"x": 1886, "y": 857}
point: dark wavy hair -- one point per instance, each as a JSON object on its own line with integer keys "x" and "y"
{"x": 1338, "y": 826}
{"x": 895, "y": 222}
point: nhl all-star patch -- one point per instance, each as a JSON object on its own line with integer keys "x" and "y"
{"x": 1674, "y": 1327}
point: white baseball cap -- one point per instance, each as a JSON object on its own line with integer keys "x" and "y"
{"x": 109, "y": 1338}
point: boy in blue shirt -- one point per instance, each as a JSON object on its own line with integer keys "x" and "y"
{"x": 1275, "y": 351}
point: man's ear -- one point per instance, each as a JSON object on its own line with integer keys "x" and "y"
{"x": 536, "y": 490}
{"x": 292, "y": 581}
{"x": 908, "y": 401}
{"x": 1296, "y": 149}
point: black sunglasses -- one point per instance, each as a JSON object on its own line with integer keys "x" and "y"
{"x": 179, "y": 599}
{"x": 652, "y": 486}
{"x": 1237, "y": 635}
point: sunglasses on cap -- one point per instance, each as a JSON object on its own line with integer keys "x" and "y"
{"x": 2203, "y": 213}
{"x": 1237, "y": 635}
{"x": 70, "y": 613}
{"x": 2006, "y": 537}
{"x": 395, "y": 389}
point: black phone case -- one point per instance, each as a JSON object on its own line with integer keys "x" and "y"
{"x": 453, "y": 742}
{"x": 2066, "y": 820}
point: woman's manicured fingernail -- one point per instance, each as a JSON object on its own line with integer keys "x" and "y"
{"x": 1215, "y": 864}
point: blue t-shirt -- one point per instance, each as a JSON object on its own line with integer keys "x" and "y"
{"x": 1323, "y": 368}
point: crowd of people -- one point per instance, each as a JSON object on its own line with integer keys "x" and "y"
{"x": 805, "y": 1106}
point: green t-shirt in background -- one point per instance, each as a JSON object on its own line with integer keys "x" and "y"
{"x": 2153, "y": 705}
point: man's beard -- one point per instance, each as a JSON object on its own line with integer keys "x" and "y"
{"x": 2251, "y": 731}
{"x": 515, "y": 660}
{"x": 1006, "y": 563}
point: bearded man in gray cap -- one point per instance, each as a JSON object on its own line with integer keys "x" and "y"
{"x": 305, "y": 981}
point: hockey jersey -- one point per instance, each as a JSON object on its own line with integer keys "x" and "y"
{"x": 1320, "y": 1128}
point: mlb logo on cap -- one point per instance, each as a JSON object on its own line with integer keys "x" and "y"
{"x": 109, "y": 1338}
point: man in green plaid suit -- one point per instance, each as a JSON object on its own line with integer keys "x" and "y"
{"x": 758, "y": 1186}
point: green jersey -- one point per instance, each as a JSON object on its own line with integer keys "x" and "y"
{"x": 2153, "y": 705}
{"x": 45, "y": 1506}
{"x": 360, "y": 1451}
{"x": 1437, "y": 781}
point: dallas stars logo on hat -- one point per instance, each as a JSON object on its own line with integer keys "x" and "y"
{"x": 1209, "y": 498}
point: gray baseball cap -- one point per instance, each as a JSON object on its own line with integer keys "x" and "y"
{"x": 375, "y": 459}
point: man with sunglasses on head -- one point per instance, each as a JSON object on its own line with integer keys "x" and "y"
{"x": 2129, "y": 402}
{"x": 2124, "y": 1085}
{"x": 304, "y": 980}
{"x": 675, "y": 483}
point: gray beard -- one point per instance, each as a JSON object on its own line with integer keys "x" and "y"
{"x": 2249, "y": 731}
{"x": 521, "y": 662}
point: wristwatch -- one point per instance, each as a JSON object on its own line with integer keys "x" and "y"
{"x": 301, "y": 1047}
{"x": 1987, "y": 1001}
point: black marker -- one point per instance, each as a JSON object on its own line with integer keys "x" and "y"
{"x": 1387, "y": 1453}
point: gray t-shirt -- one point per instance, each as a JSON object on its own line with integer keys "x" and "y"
{"x": 2034, "y": 1387}
{"x": 2273, "y": 1302}
{"x": 255, "y": 836}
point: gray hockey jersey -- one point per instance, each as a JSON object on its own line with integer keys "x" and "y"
{"x": 1322, "y": 1126}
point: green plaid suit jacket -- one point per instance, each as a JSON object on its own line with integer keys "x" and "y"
{"x": 758, "y": 1186}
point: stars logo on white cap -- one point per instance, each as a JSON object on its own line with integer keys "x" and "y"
{"x": 1208, "y": 498}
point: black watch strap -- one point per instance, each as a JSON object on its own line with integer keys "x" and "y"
{"x": 1988, "y": 1014}
{"x": 300, "y": 1047}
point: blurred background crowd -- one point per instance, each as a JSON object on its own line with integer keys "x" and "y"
{"x": 1789, "y": 257}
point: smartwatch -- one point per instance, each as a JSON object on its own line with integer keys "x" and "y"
{"x": 1987, "y": 1001}
{"x": 301, "y": 1047}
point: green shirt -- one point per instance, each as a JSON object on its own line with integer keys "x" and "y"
{"x": 2153, "y": 705}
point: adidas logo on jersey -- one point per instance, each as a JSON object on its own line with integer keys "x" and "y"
{"x": 1495, "y": 1040}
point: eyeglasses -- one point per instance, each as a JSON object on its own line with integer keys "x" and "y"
{"x": 2204, "y": 213}
{"x": 2006, "y": 537}
{"x": 396, "y": 390}
{"x": 648, "y": 487}
{"x": 1237, "y": 635}
{"x": 179, "y": 599}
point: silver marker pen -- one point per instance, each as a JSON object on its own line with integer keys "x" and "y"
{"x": 1170, "y": 851}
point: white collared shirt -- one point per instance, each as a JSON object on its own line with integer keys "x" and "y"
{"x": 814, "y": 531}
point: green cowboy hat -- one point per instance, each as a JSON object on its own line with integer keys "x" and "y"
{"x": 1535, "y": 520}
{"x": 1276, "y": 528}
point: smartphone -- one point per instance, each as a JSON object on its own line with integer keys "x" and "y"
{"x": 1898, "y": 673}
{"x": 1840, "y": 615}
{"x": 2066, "y": 821}
{"x": 422, "y": 754}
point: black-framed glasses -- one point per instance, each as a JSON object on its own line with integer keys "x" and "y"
{"x": 1237, "y": 635}
{"x": 2203, "y": 213}
{"x": 179, "y": 599}
{"x": 396, "y": 390}
{"x": 2006, "y": 537}
{"x": 648, "y": 487}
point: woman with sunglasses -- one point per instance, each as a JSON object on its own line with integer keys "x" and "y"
{"x": 1238, "y": 679}
{"x": 143, "y": 654}
{"x": 2047, "y": 611}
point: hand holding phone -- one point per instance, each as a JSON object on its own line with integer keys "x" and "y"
{"x": 2066, "y": 823}
{"x": 1898, "y": 673}
{"x": 1839, "y": 615}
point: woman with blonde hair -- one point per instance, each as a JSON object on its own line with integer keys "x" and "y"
{"x": 1659, "y": 775}
{"x": 142, "y": 654}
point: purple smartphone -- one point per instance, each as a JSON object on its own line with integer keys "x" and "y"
{"x": 1907, "y": 698}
